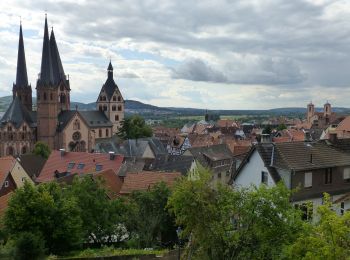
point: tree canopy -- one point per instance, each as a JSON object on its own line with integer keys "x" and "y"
{"x": 42, "y": 149}
{"x": 133, "y": 128}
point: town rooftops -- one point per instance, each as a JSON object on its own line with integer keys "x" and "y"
{"x": 172, "y": 163}
{"x": 6, "y": 165}
{"x": 32, "y": 164}
{"x": 62, "y": 163}
{"x": 146, "y": 180}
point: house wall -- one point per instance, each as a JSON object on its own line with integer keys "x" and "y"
{"x": 19, "y": 175}
{"x": 70, "y": 129}
{"x": 338, "y": 185}
{"x": 251, "y": 173}
{"x": 148, "y": 153}
{"x": 11, "y": 187}
{"x": 286, "y": 177}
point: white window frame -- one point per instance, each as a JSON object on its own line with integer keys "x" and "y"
{"x": 346, "y": 174}
{"x": 6, "y": 184}
{"x": 307, "y": 179}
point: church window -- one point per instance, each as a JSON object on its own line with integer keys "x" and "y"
{"x": 104, "y": 98}
{"x": 10, "y": 150}
{"x": 114, "y": 108}
{"x": 119, "y": 108}
{"x": 45, "y": 97}
{"x": 51, "y": 96}
{"x": 76, "y": 136}
{"x": 119, "y": 98}
{"x": 104, "y": 108}
{"x": 9, "y": 128}
{"x": 63, "y": 98}
{"x": 24, "y": 150}
{"x": 101, "y": 98}
{"x": 100, "y": 108}
{"x": 116, "y": 118}
{"x": 24, "y": 128}
{"x": 76, "y": 125}
{"x": 114, "y": 98}
{"x": 100, "y": 133}
{"x": 61, "y": 88}
{"x": 107, "y": 133}
{"x": 23, "y": 136}
{"x": 11, "y": 137}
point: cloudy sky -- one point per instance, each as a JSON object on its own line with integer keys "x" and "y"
{"x": 234, "y": 54}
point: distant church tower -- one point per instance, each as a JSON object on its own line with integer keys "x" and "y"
{"x": 111, "y": 101}
{"x": 21, "y": 87}
{"x": 52, "y": 90}
{"x": 310, "y": 112}
{"x": 327, "y": 110}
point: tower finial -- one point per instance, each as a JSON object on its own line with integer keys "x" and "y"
{"x": 20, "y": 20}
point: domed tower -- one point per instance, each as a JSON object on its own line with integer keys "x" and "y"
{"x": 21, "y": 87}
{"x": 111, "y": 101}
{"x": 310, "y": 112}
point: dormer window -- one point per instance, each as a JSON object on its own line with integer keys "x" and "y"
{"x": 98, "y": 167}
{"x": 114, "y": 98}
{"x": 119, "y": 98}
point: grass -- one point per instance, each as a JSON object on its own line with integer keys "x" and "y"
{"x": 109, "y": 251}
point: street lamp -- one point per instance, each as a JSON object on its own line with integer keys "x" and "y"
{"x": 178, "y": 232}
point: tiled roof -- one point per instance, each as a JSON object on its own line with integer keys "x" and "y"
{"x": 4, "y": 203}
{"x": 172, "y": 163}
{"x": 95, "y": 118}
{"x": 69, "y": 163}
{"x": 111, "y": 182}
{"x": 131, "y": 164}
{"x": 226, "y": 123}
{"x": 146, "y": 180}
{"x": 32, "y": 164}
{"x": 6, "y": 165}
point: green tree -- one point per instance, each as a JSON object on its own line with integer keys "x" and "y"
{"x": 267, "y": 130}
{"x": 102, "y": 218}
{"x": 46, "y": 212}
{"x": 29, "y": 246}
{"x": 223, "y": 223}
{"x": 133, "y": 128}
{"x": 328, "y": 238}
{"x": 150, "y": 223}
{"x": 42, "y": 149}
{"x": 281, "y": 127}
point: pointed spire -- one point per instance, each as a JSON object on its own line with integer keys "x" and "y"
{"x": 110, "y": 70}
{"x": 21, "y": 76}
{"x": 46, "y": 73}
{"x": 57, "y": 68}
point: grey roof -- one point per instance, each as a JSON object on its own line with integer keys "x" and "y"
{"x": 46, "y": 73}
{"x": 171, "y": 163}
{"x": 57, "y": 68}
{"x": 95, "y": 118}
{"x": 64, "y": 117}
{"x": 131, "y": 164}
{"x": 17, "y": 114}
{"x": 21, "y": 76}
{"x": 32, "y": 164}
{"x": 110, "y": 86}
{"x": 110, "y": 67}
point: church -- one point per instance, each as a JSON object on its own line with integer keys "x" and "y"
{"x": 52, "y": 120}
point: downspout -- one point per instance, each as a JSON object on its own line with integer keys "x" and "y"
{"x": 272, "y": 155}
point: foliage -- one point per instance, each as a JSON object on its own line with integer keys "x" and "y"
{"x": 46, "y": 212}
{"x": 223, "y": 223}
{"x": 42, "y": 149}
{"x": 158, "y": 228}
{"x": 327, "y": 239}
{"x": 281, "y": 127}
{"x": 267, "y": 130}
{"x": 134, "y": 128}
{"x": 101, "y": 217}
{"x": 29, "y": 246}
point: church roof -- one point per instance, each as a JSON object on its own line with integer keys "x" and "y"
{"x": 110, "y": 86}
{"x": 17, "y": 114}
{"x": 57, "y": 68}
{"x": 21, "y": 76}
{"x": 46, "y": 72}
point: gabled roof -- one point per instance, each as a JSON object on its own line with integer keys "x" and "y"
{"x": 21, "y": 76}
{"x": 171, "y": 163}
{"x": 6, "y": 165}
{"x": 131, "y": 164}
{"x": 111, "y": 182}
{"x": 110, "y": 86}
{"x": 69, "y": 164}
{"x": 16, "y": 114}
{"x": 146, "y": 180}
{"x": 32, "y": 164}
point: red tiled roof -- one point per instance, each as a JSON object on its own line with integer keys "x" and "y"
{"x": 226, "y": 123}
{"x": 59, "y": 163}
{"x": 145, "y": 180}
{"x": 111, "y": 182}
{"x": 6, "y": 165}
{"x": 4, "y": 202}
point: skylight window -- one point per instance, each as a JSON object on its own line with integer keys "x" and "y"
{"x": 81, "y": 166}
{"x": 71, "y": 165}
{"x": 98, "y": 167}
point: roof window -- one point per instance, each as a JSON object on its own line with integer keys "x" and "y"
{"x": 71, "y": 165}
{"x": 98, "y": 167}
{"x": 81, "y": 166}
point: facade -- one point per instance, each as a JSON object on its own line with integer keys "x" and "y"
{"x": 53, "y": 121}
{"x": 320, "y": 119}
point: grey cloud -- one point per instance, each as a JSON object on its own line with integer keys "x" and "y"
{"x": 129, "y": 75}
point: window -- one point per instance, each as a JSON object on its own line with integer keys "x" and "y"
{"x": 114, "y": 108}
{"x": 308, "y": 180}
{"x": 9, "y": 128}
{"x": 264, "y": 177}
{"x": 76, "y": 136}
{"x": 24, "y": 128}
{"x": 71, "y": 165}
{"x": 328, "y": 176}
{"x": 98, "y": 167}
{"x": 342, "y": 208}
{"x": 76, "y": 125}
{"x": 119, "y": 98}
{"x": 306, "y": 209}
{"x": 219, "y": 175}
{"x": 104, "y": 108}
{"x": 114, "y": 98}
{"x": 116, "y": 118}
{"x": 107, "y": 133}
{"x": 23, "y": 179}
{"x": 346, "y": 174}
{"x": 119, "y": 108}
{"x": 6, "y": 184}
{"x": 80, "y": 166}
{"x": 45, "y": 96}
{"x": 99, "y": 132}
{"x": 100, "y": 108}
{"x": 51, "y": 96}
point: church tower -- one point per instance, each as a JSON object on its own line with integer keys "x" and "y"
{"x": 110, "y": 100}
{"x": 52, "y": 90}
{"x": 310, "y": 112}
{"x": 21, "y": 87}
{"x": 327, "y": 110}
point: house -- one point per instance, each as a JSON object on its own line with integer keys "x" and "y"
{"x": 172, "y": 163}
{"x": 341, "y": 129}
{"x": 110, "y": 181}
{"x": 145, "y": 180}
{"x": 218, "y": 158}
{"x": 312, "y": 167}
{"x": 227, "y": 126}
{"x": 178, "y": 145}
{"x": 32, "y": 164}
{"x": 62, "y": 163}
{"x": 289, "y": 135}
{"x": 12, "y": 175}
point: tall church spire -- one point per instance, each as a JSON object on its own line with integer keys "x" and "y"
{"x": 46, "y": 73}
{"x": 57, "y": 68}
{"x": 21, "y": 76}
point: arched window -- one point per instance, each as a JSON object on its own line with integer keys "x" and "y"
{"x": 107, "y": 132}
{"x": 51, "y": 96}
{"x": 101, "y": 99}
{"x": 24, "y": 150}
{"x": 62, "y": 98}
{"x": 76, "y": 124}
{"x": 116, "y": 118}
{"x": 10, "y": 151}
{"x": 99, "y": 132}
{"x": 119, "y": 108}
{"x": 23, "y": 136}
{"x": 45, "y": 97}
{"x": 114, "y": 108}
{"x": 82, "y": 146}
{"x": 104, "y": 108}
{"x": 119, "y": 98}
{"x": 71, "y": 146}
{"x": 114, "y": 98}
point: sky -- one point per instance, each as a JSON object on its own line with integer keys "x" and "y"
{"x": 233, "y": 54}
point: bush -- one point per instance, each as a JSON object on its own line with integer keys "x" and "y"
{"x": 29, "y": 246}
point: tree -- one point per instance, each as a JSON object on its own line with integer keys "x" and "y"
{"x": 223, "y": 223}
{"x": 45, "y": 211}
{"x": 267, "y": 130}
{"x": 328, "y": 238}
{"x": 150, "y": 222}
{"x": 101, "y": 217}
{"x": 42, "y": 149}
{"x": 281, "y": 127}
{"x": 29, "y": 246}
{"x": 133, "y": 128}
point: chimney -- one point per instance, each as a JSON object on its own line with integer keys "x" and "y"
{"x": 265, "y": 138}
{"x": 63, "y": 152}
{"x": 307, "y": 136}
{"x": 111, "y": 155}
{"x": 333, "y": 137}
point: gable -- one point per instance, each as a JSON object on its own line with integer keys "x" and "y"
{"x": 19, "y": 175}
